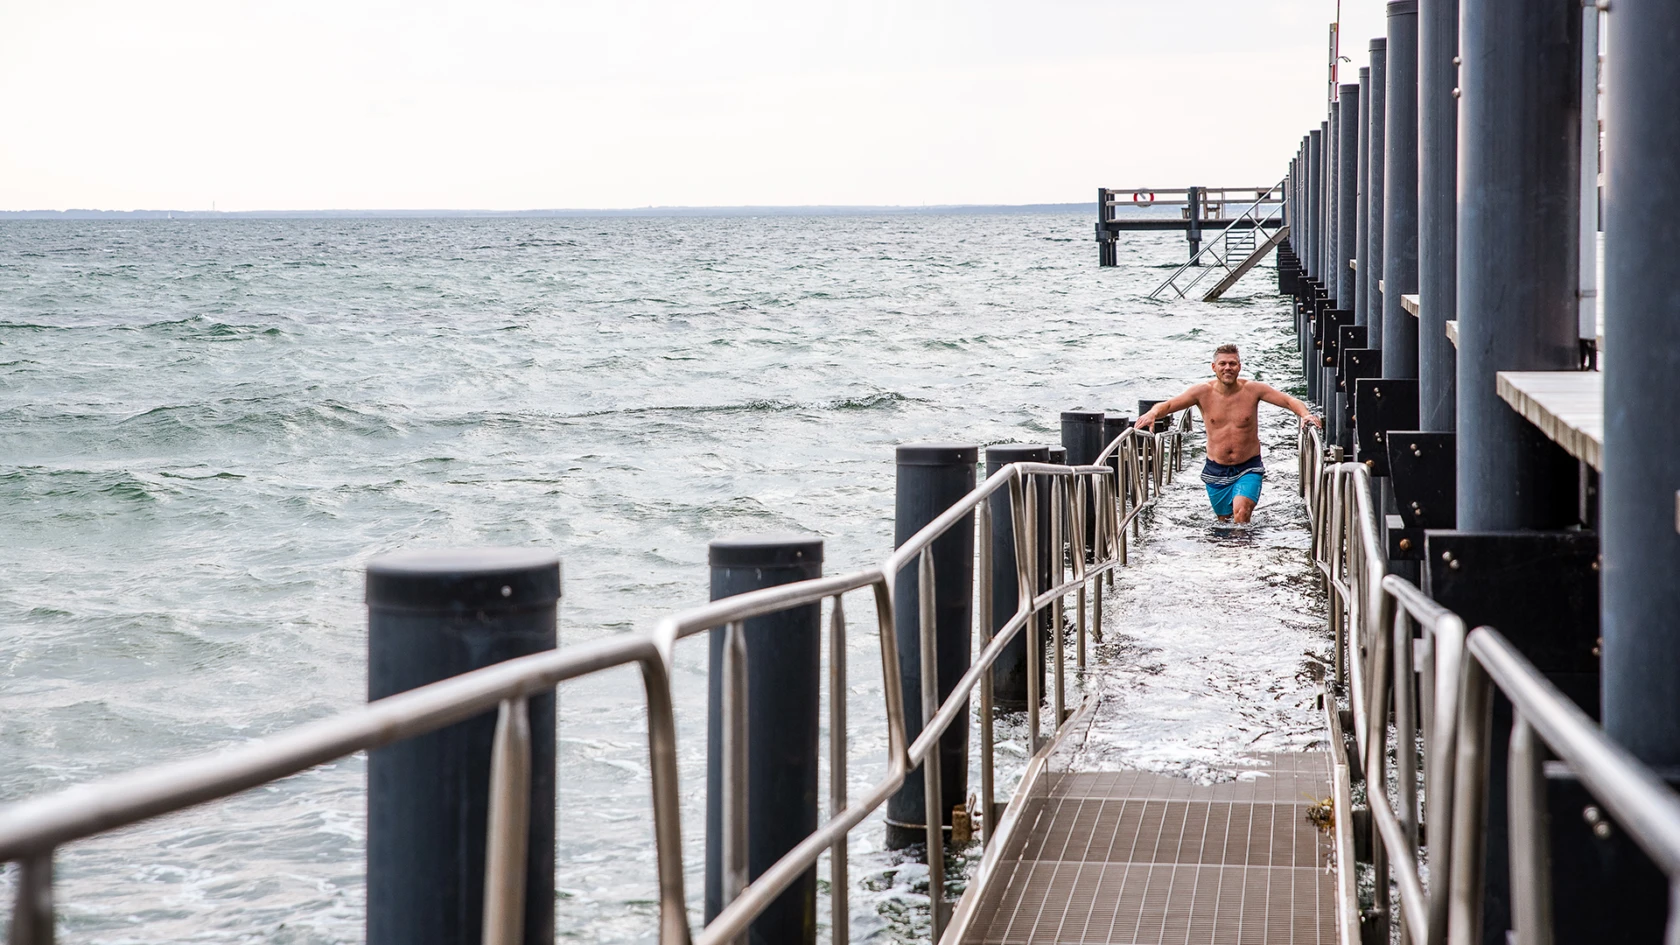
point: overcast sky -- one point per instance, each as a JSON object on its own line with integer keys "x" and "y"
{"x": 517, "y": 104}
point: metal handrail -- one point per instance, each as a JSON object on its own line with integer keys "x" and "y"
{"x": 32, "y": 829}
{"x": 1223, "y": 238}
{"x": 1376, "y": 615}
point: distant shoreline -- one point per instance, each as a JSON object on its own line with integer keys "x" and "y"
{"x": 796, "y": 211}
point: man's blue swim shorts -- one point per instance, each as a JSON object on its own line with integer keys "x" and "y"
{"x": 1225, "y": 483}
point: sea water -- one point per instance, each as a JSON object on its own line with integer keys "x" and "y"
{"x": 208, "y": 427}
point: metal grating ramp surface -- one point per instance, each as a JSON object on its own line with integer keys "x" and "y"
{"x": 1146, "y": 859}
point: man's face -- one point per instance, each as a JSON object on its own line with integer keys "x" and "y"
{"x": 1226, "y": 367}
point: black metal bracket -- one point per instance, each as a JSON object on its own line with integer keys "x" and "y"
{"x": 1330, "y": 325}
{"x": 1358, "y": 362}
{"x": 1424, "y": 467}
{"x": 1348, "y": 338}
{"x": 1382, "y": 404}
{"x": 1539, "y": 589}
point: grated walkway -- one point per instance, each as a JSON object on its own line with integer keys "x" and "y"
{"x": 1148, "y": 859}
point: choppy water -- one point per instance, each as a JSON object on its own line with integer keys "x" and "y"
{"x": 207, "y": 428}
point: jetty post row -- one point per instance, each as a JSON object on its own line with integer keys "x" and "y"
{"x": 1449, "y": 324}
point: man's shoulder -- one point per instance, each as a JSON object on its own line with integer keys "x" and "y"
{"x": 1254, "y": 388}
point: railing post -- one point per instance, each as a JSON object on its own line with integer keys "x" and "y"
{"x": 1531, "y": 888}
{"x": 782, "y": 657}
{"x": 983, "y": 568}
{"x": 32, "y": 911}
{"x": 432, "y": 615}
{"x": 510, "y": 812}
{"x": 930, "y": 768}
{"x": 930, "y": 479}
{"x": 1009, "y": 673}
{"x": 839, "y": 888}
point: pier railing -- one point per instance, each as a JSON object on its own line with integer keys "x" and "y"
{"x": 1389, "y": 636}
{"x": 1124, "y": 480}
{"x": 1218, "y": 253}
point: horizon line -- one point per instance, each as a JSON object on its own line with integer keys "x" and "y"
{"x": 649, "y": 211}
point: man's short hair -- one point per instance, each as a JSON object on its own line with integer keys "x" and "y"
{"x": 1225, "y": 349}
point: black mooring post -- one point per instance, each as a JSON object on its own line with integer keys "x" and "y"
{"x": 1194, "y": 200}
{"x": 1313, "y": 195}
{"x": 1400, "y": 182}
{"x": 1347, "y": 209}
{"x": 1640, "y": 504}
{"x": 1009, "y": 673}
{"x": 931, "y": 479}
{"x": 1112, "y": 426}
{"x": 1437, "y": 212}
{"x": 1520, "y": 148}
{"x": 1082, "y": 437}
{"x": 1377, "y": 115}
{"x": 433, "y": 615}
{"x": 1362, "y": 207}
{"x": 784, "y": 672}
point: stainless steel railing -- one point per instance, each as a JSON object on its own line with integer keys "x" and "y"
{"x": 1219, "y": 249}
{"x": 31, "y": 830}
{"x": 1390, "y": 637}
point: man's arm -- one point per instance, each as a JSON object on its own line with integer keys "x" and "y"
{"x": 1272, "y": 395}
{"x": 1187, "y": 399}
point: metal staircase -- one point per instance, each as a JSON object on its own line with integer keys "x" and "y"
{"x": 1235, "y": 251}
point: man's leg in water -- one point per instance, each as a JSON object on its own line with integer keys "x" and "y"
{"x": 1246, "y": 495}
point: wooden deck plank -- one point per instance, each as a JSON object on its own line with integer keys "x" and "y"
{"x": 1149, "y": 859}
{"x": 1568, "y": 406}
{"x": 1410, "y": 304}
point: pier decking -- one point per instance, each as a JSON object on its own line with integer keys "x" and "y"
{"x": 1568, "y": 406}
{"x": 1150, "y": 859}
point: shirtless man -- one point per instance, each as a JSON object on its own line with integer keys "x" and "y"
{"x": 1230, "y": 410}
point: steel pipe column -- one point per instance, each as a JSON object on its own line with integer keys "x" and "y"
{"x": 1315, "y": 199}
{"x": 1347, "y": 213}
{"x": 931, "y": 479}
{"x": 1400, "y": 182}
{"x": 1362, "y": 210}
{"x": 783, "y": 676}
{"x": 1333, "y": 205}
{"x": 1326, "y": 201}
{"x": 432, "y": 615}
{"x": 1519, "y": 134}
{"x": 1642, "y": 337}
{"x": 1378, "y": 114}
{"x": 1437, "y": 213}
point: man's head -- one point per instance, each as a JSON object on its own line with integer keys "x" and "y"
{"x": 1227, "y": 364}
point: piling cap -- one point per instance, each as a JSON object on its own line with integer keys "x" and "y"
{"x": 1402, "y": 7}
{"x": 1380, "y": 44}
{"x": 464, "y": 579}
{"x": 999, "y": 455}
{"x": 1116, "y": 421}
{"x": 1058, "y": 454}
{"x": 1082, "y": 416}
{"x": 765, "y": 551}
{"x": 938, "y": 454}
{"x": 1144, "y": 405}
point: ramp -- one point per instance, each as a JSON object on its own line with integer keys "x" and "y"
{"x": 1149, "y": 859}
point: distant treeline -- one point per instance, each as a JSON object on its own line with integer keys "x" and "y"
{"x": 637, "y": 212}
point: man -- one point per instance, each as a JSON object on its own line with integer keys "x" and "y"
{"x": 1230, "y": 410}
